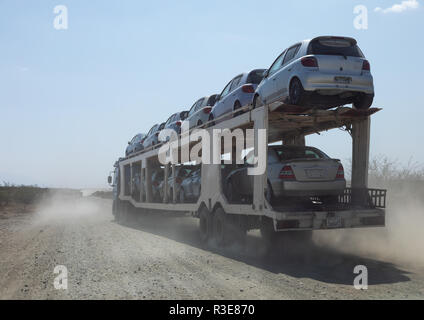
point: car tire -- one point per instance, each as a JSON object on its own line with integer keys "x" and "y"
{"x": 210, "y": 120}
{"x": 363, "y": 101}
{"x": 232, "y": 196}
{"x": 237, "y": 105}
{"x": 181, "y": 196}
{"x": 256, "y": 101}
{"x": 297, "y": 94}
{"x": 269, "y": 194}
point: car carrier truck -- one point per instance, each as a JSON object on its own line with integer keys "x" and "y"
{"x": 225, "y": 221}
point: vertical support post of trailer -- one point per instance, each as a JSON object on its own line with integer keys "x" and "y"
{"x": 165, "y": 183}
{"x": 360, "y": 160}
{"x": 142, "y": 191}
{"x": 174, "y": 191}
{"x": 148, "y": 181}
{"x": 122, "y": 178}
{"x": 260, "y": 118}
{"x": 131, "y": 179}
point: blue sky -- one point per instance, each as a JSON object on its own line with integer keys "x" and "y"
{"x": 71, "y": 99}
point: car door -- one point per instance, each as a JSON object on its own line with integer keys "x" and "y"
{"x": 232, "y": 96}
{"x": 284, "y": 73}
{"x": 268, "y": 89}
{"x": 219, "y": 108}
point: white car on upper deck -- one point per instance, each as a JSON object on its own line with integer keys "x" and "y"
{"x": 323, "y": 72}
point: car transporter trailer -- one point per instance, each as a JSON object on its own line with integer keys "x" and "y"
{"x": 223, "y": 221}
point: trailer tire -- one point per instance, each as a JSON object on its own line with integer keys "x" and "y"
{"x": 205, "y": 225}
{"x": 267, "y": 231}
{"x": 221, "y": 227}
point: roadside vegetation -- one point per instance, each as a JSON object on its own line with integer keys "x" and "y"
{"x": 24, "y": 195}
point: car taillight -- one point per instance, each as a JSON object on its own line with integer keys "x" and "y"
{"x": 287, "y": 173}
{"x": 248, "y": 88}
{"x": 178, "y": 123}
{"x": 366, "y": 66}
{"x": 155, "y": 183}
{"x": 207, "y": 110}
{"x": 309, "y": 62}
{"x": 340, "y": 172}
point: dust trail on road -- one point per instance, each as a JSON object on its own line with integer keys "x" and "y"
{"x": 60, "y": 209}
{"x": 402, "y": 240}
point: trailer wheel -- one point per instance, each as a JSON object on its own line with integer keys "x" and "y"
{"x": 222, "y": 227}
{"x": 267, "y": 231}
{"x": 205, "y": 225}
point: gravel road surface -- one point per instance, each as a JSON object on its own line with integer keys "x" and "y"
{"x": 162, "y": 258}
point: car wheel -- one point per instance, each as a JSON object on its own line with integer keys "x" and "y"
{"x": 237, "y": 105}
{"x": 257, "y": 101}
{"x": 231, "y": 193}
{"x": 211, "y": 122}
{"x": 296, "y": 93}
{"x": 182, "y": 196}
{"x": 269, "y": 194}
{"x": 363, "y": 101}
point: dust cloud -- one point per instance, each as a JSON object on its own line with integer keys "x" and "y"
{"x": 59, "y": 208}
{"x": 401, "y": 241}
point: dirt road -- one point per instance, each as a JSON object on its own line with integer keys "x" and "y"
{"x": 163, "y": 259}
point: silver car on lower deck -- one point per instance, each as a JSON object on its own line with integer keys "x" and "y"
{"x": 292, "y": 171}
{"x": 324, "y": 72}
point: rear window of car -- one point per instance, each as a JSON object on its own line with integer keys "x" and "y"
{"x": 211, "y": 100}
{"x": 334, "y": 47}
{"x": 256, "y": 76}
{"x": 286, "y": 154}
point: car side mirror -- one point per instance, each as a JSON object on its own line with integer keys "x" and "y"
{"x": 109, "y": 180}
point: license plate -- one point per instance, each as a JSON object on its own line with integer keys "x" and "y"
{"x": 343, "y": 79}
{"x": 334, "y": 222}
{"x": 314, "y": 173}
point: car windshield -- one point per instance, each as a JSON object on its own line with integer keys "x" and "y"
{"x": 292, "y": 153}
{"x": 341, "y": 47}
{"x": 256, "y": 76}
